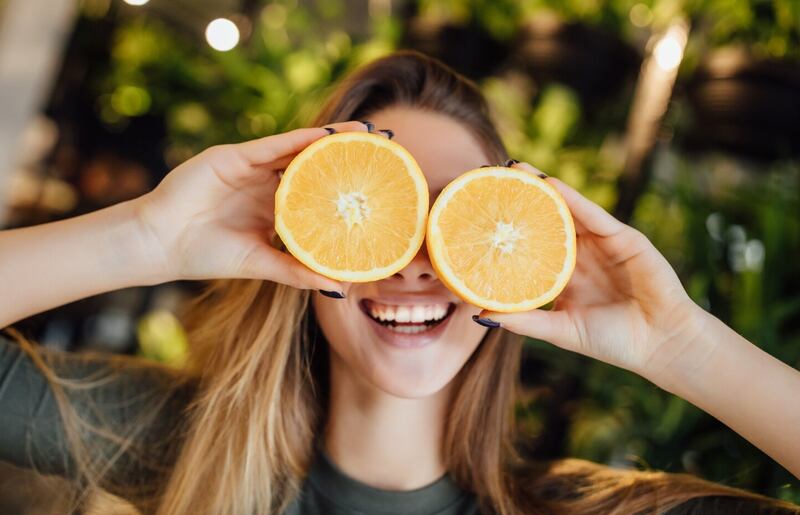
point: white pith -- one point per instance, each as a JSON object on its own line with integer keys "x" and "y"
{"x": 353, "y": 208}
{"x": 505, "y": 236}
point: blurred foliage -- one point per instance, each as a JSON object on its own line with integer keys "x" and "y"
{"x": 768, "y": 28}
{"x": 730, "y": 229}
{"x": 273, "y": 83}
{"x": 162, "y": 338}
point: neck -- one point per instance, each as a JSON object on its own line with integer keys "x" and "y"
{"x": 381, "y": 440}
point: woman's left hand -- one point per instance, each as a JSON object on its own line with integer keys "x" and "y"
{"x": 624, "y": 303}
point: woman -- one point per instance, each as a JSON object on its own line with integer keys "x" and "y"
{"x": 296, "y": 399}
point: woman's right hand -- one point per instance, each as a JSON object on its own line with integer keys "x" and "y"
{"x": 212, "y": 216}
{"x": 623, "y": 305}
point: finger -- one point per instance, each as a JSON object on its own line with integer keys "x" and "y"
{"x": 555, "y": 327}
{"x": 588, "y": 214}
{"x": 268, "y": 149}
{"x": 526, "y": 167}
{"x": 279, "y": 165}
{"x": 389, "y": 133}
{"x": 268, "y": 263}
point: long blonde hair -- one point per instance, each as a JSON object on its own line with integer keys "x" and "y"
{"x": 260, "y": 365}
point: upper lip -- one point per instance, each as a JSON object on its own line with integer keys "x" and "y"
{"x": 410, "y": 299}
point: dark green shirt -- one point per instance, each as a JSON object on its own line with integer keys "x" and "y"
{"x": 329, "y": 490}
{"x": 132, "y": 393}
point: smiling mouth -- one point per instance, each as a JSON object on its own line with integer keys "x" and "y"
{"x": 408, "y": 319}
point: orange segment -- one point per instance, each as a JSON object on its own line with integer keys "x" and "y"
{"x": 502, "y": 239}
{"x": 352, "y": 206}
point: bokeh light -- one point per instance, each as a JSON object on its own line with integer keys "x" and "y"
{"x": 222, "y": 34}
{"x": 668, "y": 52}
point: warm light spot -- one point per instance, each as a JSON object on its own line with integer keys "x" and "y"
{"x": 136, "y": 2}
{"x": 222, "y": 34}
{"x": 668, "y": 52}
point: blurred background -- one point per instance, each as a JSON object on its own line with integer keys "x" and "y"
{"x": 682, "y": 117}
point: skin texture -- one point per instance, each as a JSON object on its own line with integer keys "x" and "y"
{"x": 624, "y": 304}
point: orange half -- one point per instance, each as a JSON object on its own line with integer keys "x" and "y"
{"x": 502, "y": 239}
{"x": 352, "y": 206}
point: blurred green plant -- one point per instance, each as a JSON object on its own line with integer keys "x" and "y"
{"x": 272, "y": 82}
{"x": 767, "y": 28}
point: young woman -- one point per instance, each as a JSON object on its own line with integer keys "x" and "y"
{"x": 298, "y": 401}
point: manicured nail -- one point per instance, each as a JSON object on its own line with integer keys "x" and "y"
{"x": 542, "y": 175}
{"x": 485, "y": 322}
{"x": 332, "y": 294}
{"x": 486, "y": 166}
{"x": 510, "y": 162}
{"x": 389, "y": 133}
{"x": 370, "y": 126}
{"x": 330, "y": 130}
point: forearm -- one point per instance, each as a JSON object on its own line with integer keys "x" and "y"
{"x": 48, "y": 265}
{"x": 750, "y": 391}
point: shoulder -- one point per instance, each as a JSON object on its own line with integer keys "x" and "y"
{"x": 96, "y": 368}
{"x": 124, "y": 403}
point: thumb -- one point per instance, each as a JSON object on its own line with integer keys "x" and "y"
{"x": 555, "y": 327}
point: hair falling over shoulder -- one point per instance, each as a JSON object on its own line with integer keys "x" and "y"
{"x": 261, "y": 367}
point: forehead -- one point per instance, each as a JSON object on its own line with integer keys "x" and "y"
{"x": 443, "y": 147}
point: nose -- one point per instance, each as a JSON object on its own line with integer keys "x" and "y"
{"x": 418, "y": 270}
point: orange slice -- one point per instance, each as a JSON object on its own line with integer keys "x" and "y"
{"x": 502, "y": 239}
{"x": 352, "y": 206}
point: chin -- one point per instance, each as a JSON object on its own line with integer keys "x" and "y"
{"x": 397, "y": 381}
{"x": 409, "y": 346}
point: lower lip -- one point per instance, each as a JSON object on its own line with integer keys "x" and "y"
{"x": 409, "y": 341}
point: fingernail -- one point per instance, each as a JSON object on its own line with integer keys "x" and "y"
{"x": 330, "y": 130}
{"x": 370, "y": 126}
{"x": 332, "y": 294}
{"x": 486, "y": 166}
{"x": 485, "y": 322}
{"x": 510, "y": 162}
{"x": 389, "y": 133}
{"x": 542, "y": 175}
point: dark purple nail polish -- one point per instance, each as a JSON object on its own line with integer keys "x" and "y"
{"x": 370, "y": 126}
{"x": 332, "y": 294}
{"x": 542, "y": 175}
{"x": 485, "y": 322}
{"x": 486, "y": 166}
{"x": 510, "y": 162}
{"x": 330, "y": 130}
{"x": 389, "y": 133}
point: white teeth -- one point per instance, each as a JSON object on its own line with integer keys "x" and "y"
{"x": 415, "y": 314}
{"x": 402, "y": 314}
{"x": 408, "y": 329}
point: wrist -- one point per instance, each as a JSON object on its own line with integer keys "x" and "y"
{"x": 140, "y": 255}
{"x": 685, "y": 350}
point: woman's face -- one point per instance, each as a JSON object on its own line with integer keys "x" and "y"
{"x": 430, "y": 333}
